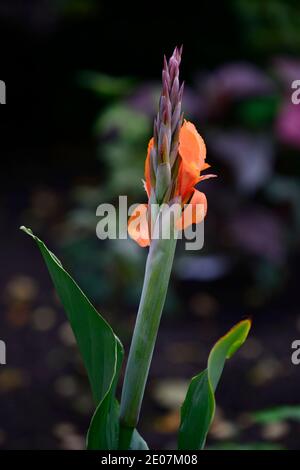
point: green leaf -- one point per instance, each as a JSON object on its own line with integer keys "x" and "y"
{"x": 137, "y": 442}
{"x": 277, "y": 414}
{"x": 258, "y": 112}
{"x": 130, "y": 439}
{"x": 103, "y": 433}
{"x": 100, "y": 348}
{"x": 105, "y": 85}
{"x": 198, "y": 409}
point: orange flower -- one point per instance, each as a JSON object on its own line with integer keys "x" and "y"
{"x": 192, "y": 155}
{"x": 192, "y": 151}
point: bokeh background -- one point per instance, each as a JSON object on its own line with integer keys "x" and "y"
{"x": 83, "y": 79}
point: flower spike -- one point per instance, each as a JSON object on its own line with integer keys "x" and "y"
{"x": 176, "y": 154}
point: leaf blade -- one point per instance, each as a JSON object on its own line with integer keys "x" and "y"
{"x": 101, "y": 350}
{"x": 198, "y": 409}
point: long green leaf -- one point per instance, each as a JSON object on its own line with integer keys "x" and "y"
{"x": 101, "y": 350}
{"x": 198, "y": 409}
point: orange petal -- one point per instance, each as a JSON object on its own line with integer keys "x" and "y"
{"x": 194, "y": 212}
{"x": 192, "y": 148}
{"x": 147, "y": 168}
{"x": 138, "y": 225}
{"x": 206, "y": 177}
{"x": 205, "y": 166}
{"x": 192, "y": 151}
{"x": 186, "y": 182}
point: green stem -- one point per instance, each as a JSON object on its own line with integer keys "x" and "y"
{"x": 157, "y": 275}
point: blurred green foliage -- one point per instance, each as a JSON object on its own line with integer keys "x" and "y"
{"x": 269, "y": 25}
{"x": 246, "y": 446}
{"x": 278, "y": 414}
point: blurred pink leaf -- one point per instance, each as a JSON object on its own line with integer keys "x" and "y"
{"x": 250, "y": 156}
{"x": 259, "y": 232}
{"x": 287, "y": 69}
{"x": 288, "y": 124}
{"x": 238, "y": 80}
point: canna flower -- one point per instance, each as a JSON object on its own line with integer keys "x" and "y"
{"x": 174, "y": 165}
{"x": 175, "y": 159}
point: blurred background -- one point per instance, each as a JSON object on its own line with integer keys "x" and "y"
{"x": 83, "y": 80}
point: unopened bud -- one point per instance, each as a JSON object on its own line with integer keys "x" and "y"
{"x": 163, "y": 180}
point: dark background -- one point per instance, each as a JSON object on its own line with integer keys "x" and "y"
{"x": 82, "y": 83}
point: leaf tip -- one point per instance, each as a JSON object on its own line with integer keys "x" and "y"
{"x": 246, "y": 325}
{"x": 26, "y": 230}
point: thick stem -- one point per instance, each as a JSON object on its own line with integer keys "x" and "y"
{"x": 157, "y": 275}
